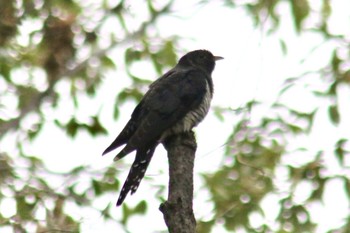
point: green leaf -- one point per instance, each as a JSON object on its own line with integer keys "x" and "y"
{"x": 340, "y": 151}
{"x": 141, "y": 207}
{"x": 118, "y": 9}
{"x": 295, "y": 129}
{"x": 27, "y": 94}
{"x": 132, "y": 55}
{"x": 116, "y": 111}
{"x": 5, "y": 70}
{"x": 129, "y": 93}
{"x": 110, "y": 173}
{"x": 205, "y": 226}
{"x": 91, "y": 89}
{"x": 347, "y": 186}
{"x": 150, "y": 7}
{"x": 167, "y": 56}
{"x": 67, "y": 5}
{"x": 7, "y": 170}
{"x": 79, "y": 199}
{"x": 283, "y": 47}
{"x": 326, "y": 9}
{"x": 300, "y": 10}
{"x": 126, "y": 214}
{"x": 29, "y": 9}
{"x": 72, "y": 127}
{"x": 317, "y": 193}
{"x": 96, "y": 128}
{"x": 106, "y": 212}
{"x": 219, "y": 113}
{"x": 24, "y": 209}
{"x": 35, "y": 162}
{"x": 96, "y": 187}
{"x": 77, "y": 170}
{"x": 334, "y": 114}
{"x": 35, "y": 130}
{"x": 332, "y": 89}
{"x": 335, "y": 61}
{"x": 109, "y": 185}
{"x": 108, "y": 62}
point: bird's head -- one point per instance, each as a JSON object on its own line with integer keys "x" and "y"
{"x": 200, "y": 58}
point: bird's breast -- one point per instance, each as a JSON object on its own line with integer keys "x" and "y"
{"x": 192, "y": 118}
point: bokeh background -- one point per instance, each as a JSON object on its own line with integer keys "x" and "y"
{"x": 273, "y": 153}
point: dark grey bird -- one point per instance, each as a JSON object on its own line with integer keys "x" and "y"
{"x": 174, "y": 103}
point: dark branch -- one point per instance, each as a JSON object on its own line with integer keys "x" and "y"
{"x": 177, "y": 210}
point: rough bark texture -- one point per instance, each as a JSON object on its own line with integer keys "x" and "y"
{"x": 177, "y": 210}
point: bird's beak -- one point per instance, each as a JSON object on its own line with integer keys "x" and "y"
{"x": 217, "y": 58}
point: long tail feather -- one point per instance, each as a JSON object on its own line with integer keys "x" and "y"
{"x": 137, "y": 172}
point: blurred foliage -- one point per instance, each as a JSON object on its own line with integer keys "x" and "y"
{"x": 47, "y": 45}
{"x": 255, "y": 152}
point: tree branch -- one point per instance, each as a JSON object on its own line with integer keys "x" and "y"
{"x": 177, "y": 210}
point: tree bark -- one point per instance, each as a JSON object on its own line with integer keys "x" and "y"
{"x": 177, "y": 210}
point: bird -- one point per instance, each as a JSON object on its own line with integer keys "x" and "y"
{"x": 174, "y": 103}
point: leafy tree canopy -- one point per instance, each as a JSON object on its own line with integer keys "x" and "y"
{"x": 56, "y": 55}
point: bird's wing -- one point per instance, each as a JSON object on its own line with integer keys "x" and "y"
{"x": 136, "y": 119}
{"x": 167, "y": 102}
{"x": 128, "y": 130}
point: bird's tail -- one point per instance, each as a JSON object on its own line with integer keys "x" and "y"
{"x": 137, "y": 172}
